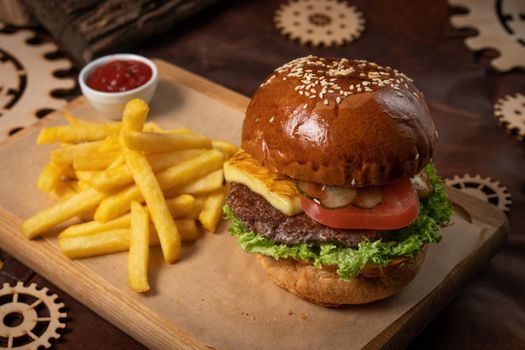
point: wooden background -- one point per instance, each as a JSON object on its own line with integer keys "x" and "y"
{"x": 234, "y": 43}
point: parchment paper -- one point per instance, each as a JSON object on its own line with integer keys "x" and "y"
{"x": 217, "y": 292}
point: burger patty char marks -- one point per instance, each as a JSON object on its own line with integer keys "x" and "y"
{"x": 259, "y": 216}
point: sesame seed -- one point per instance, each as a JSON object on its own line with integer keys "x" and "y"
{"x": 338, "y": 99}
{"x": 271, "y": 119}
{"x": 326, "y": 102}
{"x": 417, "y": 156}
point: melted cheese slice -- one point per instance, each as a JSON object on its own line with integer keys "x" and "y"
{"x": 278, "y": 190}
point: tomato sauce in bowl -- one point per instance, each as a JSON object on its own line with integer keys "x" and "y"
{"x": 119, "y": 76}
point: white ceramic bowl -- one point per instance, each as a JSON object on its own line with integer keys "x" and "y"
{"x": 111, "y": 104}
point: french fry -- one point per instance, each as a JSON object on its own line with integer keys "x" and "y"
{"x": 138, "y": 249}
{"x": 77, "y": 133}
{"x": 134, "y": 114}
{"x": 146, "y": 181}
{"x": 85, "y": 175}
{"x": 188, "y": 170}
{"x": 152, "y": 127}
{"x": 188, "y": 229}
{"x": 197, "y": 206}
{"x": 99, "y": 243}
{"x": 114, "y": 241}
{"x": 119, "y": 176}
{"x": 158, "y": 143}
{"x": 207, "y": 183}
{"x": 49, "y": 177}
{"x": 97, "y": 161}
{"x": 117, "y": 204}
{"x": 64, "y": 189}
{"x": 181, "y": 206}
{"x": 66, "y": 155}
{"x": 163, "y": 161}
{"x": 61, "y": 211}
{"x": 179, "y": 174}
{"x": 109, "y": 144}
{"x": 212, "y": 210}
{"x": 227, "y": 147}
{"x": 91, "y": 227}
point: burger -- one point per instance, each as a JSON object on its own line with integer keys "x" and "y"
{"x": 333, "y": 189}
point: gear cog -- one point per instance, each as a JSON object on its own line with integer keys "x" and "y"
{"x": 319, "y": 22}
{"x": 500, "y": 25}
{"x": 26, "y": 306}
{"x": 510, "y": 110}
{"x": 27, "y": 80}
{"x": 482, "y": 188}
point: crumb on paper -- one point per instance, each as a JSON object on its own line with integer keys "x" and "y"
{"x": 290, "y": 312}
{"x": 303, "y": 317}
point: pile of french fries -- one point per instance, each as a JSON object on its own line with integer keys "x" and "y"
{"x": 134, "y": 185}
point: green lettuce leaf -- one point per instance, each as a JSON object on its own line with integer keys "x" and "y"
{"x": 435, "y": 212}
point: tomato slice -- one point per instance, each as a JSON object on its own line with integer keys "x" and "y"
{"x": 399, "y": 208}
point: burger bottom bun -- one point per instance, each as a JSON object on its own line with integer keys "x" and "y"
{"x": 323, "y": 286}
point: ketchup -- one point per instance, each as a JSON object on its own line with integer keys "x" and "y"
{"x": 119, "y": 75}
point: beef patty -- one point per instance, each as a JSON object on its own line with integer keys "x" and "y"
{"x": 259, "y": 216}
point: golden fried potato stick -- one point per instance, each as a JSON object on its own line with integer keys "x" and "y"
{"x": 107, "y": 242}
{"x": 50, "y": 177}
{"x": 212, "y": 210}
{"x": 66, "y": 155}
{"x": 181, "y": 206}
{"x": 138, "y": 249}
{"x": 133, "y": 117}
{"x": 99, "y": 243}
{"x": 227, "y": 147}
{"x": 169, "y": 237}
{"x": 188, "y": 229}
{"x": 197, "y": 206}
{"x": 118, "y": 204}
{"x": 61, "y": 211}
{"x": 84, "y": 175}
{"x": 134, "y": 114}
{"x": 158, "y": 143}
{"x": 87, "y": 228}
{"x": 63, "y": 190}
{"x": 179, "y": 174}
{"x": 94, "y": 161}
{"x": 205, "y": 184}
{"x": 77, "y": 133}
{"x": 117, "y": 177}
{"x": 109, "y": 144}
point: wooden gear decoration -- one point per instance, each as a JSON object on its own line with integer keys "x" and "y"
{"x": 29, "y": 316}
{"x": 27, "y": 81}
{"x": 483, "y": 188}
{"x": 319, "y": 22}
{"x": 500, "y": 26}
{"x": 510, "y": 110}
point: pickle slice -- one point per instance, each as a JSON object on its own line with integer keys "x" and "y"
{"x": 369, "y": 197}
{"x": 422, "y": 185}
{"x": 328, "y": 196}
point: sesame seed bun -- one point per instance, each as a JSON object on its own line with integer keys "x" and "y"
{"x": 339, "y": 122}
{"x": 325, "y": 287}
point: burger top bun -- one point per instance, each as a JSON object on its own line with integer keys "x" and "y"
{"x": 339, "y": 122}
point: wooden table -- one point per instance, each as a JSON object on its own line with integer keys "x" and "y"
{"x": 235, "y": 44}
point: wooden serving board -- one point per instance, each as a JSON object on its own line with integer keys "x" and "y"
{"x": 217, "y": 296}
